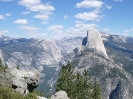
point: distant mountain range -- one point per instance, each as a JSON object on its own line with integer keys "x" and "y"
{"x": 114, "y": 72}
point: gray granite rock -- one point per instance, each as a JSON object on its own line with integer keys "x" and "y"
{"x": 94, "y": 41}
{"x": 57, "y": 95}
{"x": 60, "y": 95}
{"x": 21, "y": 81}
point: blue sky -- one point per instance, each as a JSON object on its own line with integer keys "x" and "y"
{"x": 52, "y": 19}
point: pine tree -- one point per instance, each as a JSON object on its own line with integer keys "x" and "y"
{"x": 96, "y": 91}
{"x": 61, "y": 79}
{"x": 65, "y": 77}
{"x": 17, "y": 66}
{"x": 77, "y": 86}
{"x": 78, "y": 82}
{"x": 1, "y": 67}
{"x": 86, "y": 85}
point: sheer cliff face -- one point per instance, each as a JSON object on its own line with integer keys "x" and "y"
{"x": 94, "y": 41}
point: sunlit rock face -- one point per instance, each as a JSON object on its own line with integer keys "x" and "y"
{"x": 22, "y": 81}
{"x": 94, "y": 41}
{"x": 60, "y": 95}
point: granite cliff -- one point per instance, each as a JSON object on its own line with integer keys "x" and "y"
{"x": 94, "y": 41}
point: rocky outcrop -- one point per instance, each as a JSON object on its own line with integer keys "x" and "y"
{"x": 57, "y": 95}
{"x": 60, "y": 95}
{"x": 21, "y": 81}
{"x": 122, "y": 91}
{"x": 39, "y": 97}
{"x": 1, "y": 56}
{"x": 94, "y": 41}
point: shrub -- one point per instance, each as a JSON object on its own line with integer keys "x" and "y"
{"x": 8, "y": 93}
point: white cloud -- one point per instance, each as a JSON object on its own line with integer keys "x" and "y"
{"x": 92, "y": 15}
{"x": 55, "y": 27}
{"x": 106, "y": 29}
{"x": 88, "y": 16}
{"x": 57, "y": 31}
{"x": 90, "y": 4}
{"x": 21, "y": 21}
{"x": 26, "y": 12}
{"x": 43, "y": 10}
{"x": 8, "y": 14}
{"x": 3, "y": 32}
{"x": 80, "y": 29}
{"x": 79, "y": 24}
{"x": 6, "y": 0}
{"x": 2, "y": 17}
{"x": 44, "y": 22}
{"x": 41, "y": 7}
{"x": 16, "y": 36}
{"x": 108, "y": 7}
{"x": 125, "y": 34}
{"x": 65, "y": 17}
{"x": 126, "y": 31}
{"x": 42, "y": 16}
{"x": 33, "y": 32}
{"x": 28, "y": 3}
{"x": 131, "y": 29}
{"x": 118, "y": 0}
{"x": 29, "y": 28}
{"x": 72, "y": 30}
{"x": 36, "y": 35}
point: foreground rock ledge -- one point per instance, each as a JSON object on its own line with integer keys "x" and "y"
{"x": 57, "y": 95}
{"x": 22, "y": 81}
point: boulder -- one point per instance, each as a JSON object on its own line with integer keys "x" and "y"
{"x": 57, "y": 95}
{"x": 60, "y": 95}
{"x": 22, "y": 81}
{"x": 39, "y": 97}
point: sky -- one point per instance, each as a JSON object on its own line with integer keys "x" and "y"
{"x": 54, "y": 19}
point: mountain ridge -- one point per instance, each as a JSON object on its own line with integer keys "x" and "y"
{"x": 47, "y": 56}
